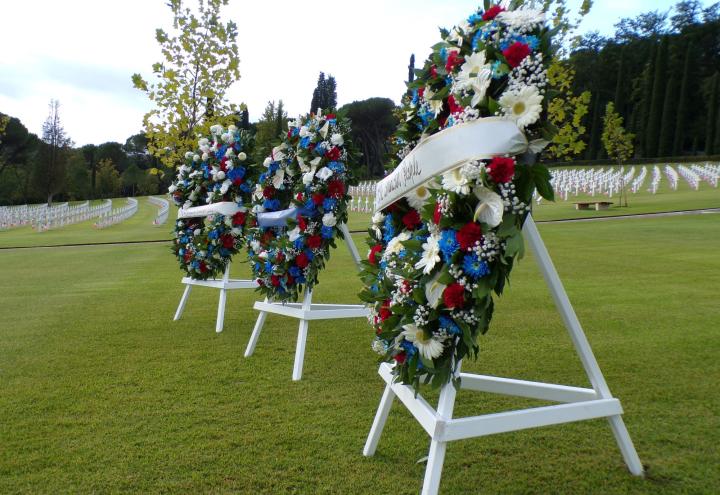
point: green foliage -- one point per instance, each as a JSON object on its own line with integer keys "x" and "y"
{"x": 324, "y": 94}
{"x": 52, "y": 157}
{"x": 652, "y": 133}
{"x": 566, "y": 112}
{"x": 108, "y": 179}
{"x": 712, "y": 114}
{"x": 200, "y": 63}
{"x": 266, "y": 135}
{"x": 618, "y": 143}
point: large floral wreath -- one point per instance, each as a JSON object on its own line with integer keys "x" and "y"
{"x": 437, "y": 255}
{"x": 305, "y": 189}
{"x": 220, "y": 170}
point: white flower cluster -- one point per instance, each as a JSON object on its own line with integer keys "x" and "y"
{"x": 421, "y": 316}
{"x": 530, "y": 72}
{"x": 521, "y": 21}
{"x": 511, "y": 201}
{"x": 489, "y": 247}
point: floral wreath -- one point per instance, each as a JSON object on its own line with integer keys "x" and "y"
{"x": 306, "y": 187}
{"x": 220, "y": 170}
{"x": 437, "y": 255}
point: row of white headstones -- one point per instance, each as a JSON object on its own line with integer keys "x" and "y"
{"x": 593, "y": 182}
{"x": 42, "y": 217}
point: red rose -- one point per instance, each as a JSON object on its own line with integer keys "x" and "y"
{"x": 501, "y": 169}
{"x": 330, "y": 116}
{"x": 275, "y": 280}
{"x": 299, "y": 197}
{"x": 421, "y": 92}
{"x": 289, "y": 280}
{"x": 203, "y": 267}
{"x": 454, "y": 106}
{"x": 333, "y": 154}
{"x": 318, "y": 198}
{"x": 302, "y": 224}
{"x": 374, "y": 251}
{"x": 400, "y": 358}
{"x": 301, "y": 260}
{"x": 187, "y": 256}
{"x": 492, "y": 13}
{"x": 336, "y": 188}
{"x": 454, "y": 296}
{"x": 385, "y": 312}
{"x": 433, "y": 71}
{"x": 227, "y": 241}
{"x": 267, "y": 237}
{"x": 468, "y": 235}
{"x": 238, "y": 218}
{"x": 516, "y": 53}
{"x": 411, "y": 219}
{"x": 237, "y": 181}
{"x": 437, "y": 215}
{"x": 223, "y": 167}
{"x": 452, "y": 60}
{"x": 279, "y": 257}
{"x": 314, "y": 241}
{"x": 269, "y": 192}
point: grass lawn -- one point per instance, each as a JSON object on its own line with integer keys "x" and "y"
{"x": 100, "y": 391}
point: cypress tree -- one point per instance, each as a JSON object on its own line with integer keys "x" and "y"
{"x": 317, "y": 94}
{"x": 411, "y": 69}
{"x": 682, "y": 102}
{"x": 619, "y": 85}
{"x": 330, "y": 92}
{"x": 667, "y": 122}
{"x": 652, "y": 134}
{"x": 712, "y": 116}
{"x": 279, "y": 119}
{"x": 640, "y": 126}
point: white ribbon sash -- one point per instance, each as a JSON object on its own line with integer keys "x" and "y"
{"x": 448, "y": 149}
{"x": 226, "y": 208}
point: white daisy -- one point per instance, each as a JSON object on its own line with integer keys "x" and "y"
{"x": 455, "y": 181}
{"x": 428, "y": 348}
{"x": 430, "y": 255}
{"x": 523, "y": 106}
{"x": 419, "y": 196}
{"x": 490, "y": 209}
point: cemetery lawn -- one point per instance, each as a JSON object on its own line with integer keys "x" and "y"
{"x": 100, "y": 391}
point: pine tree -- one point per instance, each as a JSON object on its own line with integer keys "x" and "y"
{"x": 244, "y": 118}
{"x": 411, "y": 69}
{"x": 317, "y": 98}
{"x": 658, "y": 95}
{"x": 52, "y": 157}
{"x": 712, "y": 116}
{"x": 330, "y": 101}
{"x": 280, "y": 119}
{"x": 682, "y": 102}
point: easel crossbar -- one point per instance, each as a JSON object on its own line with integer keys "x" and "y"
{"x": 584, "y": 406}
{"x": 316, "y": 311}
{"x": 221, "y": 284}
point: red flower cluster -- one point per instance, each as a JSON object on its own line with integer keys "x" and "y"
{"x": 336, "y": 188}
{"x": 433, "y": 71}
{"x": 314, "y": 241}
{"x": 436, "y": 214}
{"x": 453, "y": 60}
{"x": 333, "y": 154}
{"x": 468, "y": 235}
{"x": 318, "y": 198}
{"x": 269, "y": 192}
{"x": 516, "y": 53}
{"x": 374, "y": 251}
{"x": 301, "y": 260}
{"x": 455, "y": 107}
{"x": 302, "y": 224}
{"x": 454, "y": 296}
{"x": 238, "y": 219}
{"x": 385, "y": 312}
{"x": 501, "y": 169}
{"x": 275, "y": 280}
{"x": 492, "y": 13}
{"x": 411, "y": 219}
{"x": 228, "y": 241}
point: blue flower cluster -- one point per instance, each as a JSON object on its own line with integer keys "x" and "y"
{"x": 474, "y": 267}
{"x": 448, "y": 244}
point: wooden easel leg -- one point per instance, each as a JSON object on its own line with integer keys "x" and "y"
{"x": 622, "y": 437}
{"x": 183, "y": 300}
{"x": 302, "y": 337}
{"x": 256, "y": 332}
{"x": 436, "y": 456}
{"x": 379, "y": 422}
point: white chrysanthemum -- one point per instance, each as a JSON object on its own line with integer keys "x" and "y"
{"x": 378, "y": 218}
{"x": 521, "y": 18}
{"x": 430, "y": 254}
{"x": 523, "y": 106}
{"x": 490, "y": 209}
{"x": 395, "y": 246}
{"x": 418, "y": 197}
{"x": 203, "y": 142}
{"x": 329, "y": 220}
{"x": 337, "y": 139}
{"x": 188, "y": 155}
{"x": 242, "y": 156}
{"x": 455, "y": 181}
{"x": 428, "y": 348}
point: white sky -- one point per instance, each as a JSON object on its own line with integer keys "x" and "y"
{"x": 83, "y": 52}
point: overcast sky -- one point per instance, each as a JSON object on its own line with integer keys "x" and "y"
{"x": 83, "y": 52}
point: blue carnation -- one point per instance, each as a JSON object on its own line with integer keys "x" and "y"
{"x": 327, "y": 232}
{"x": 213, "y": 234}
{"x": 305, "y": 142}
{"x": 268, "y": 267}
{"x": 295, "y": 271}
{"x": 329, "y": 204}
{"x": 309, "y": 254}
{"x": 320, "y": 149}
{"x": 474, "y": 266}
{"x": 263, "y": 177}
{"x": 181, "y": 252}
{"x": 448, "y": 244}
{"x": 415, "y": 98}
{"x": 245, "y": 188}
{"x": 449, "y": 325}
{"x": 236, "y": 173}
{"x": 299, "y": 243}
{"x": 273, "y": 167}
{"x": 475, "y": 18}
{"x": 409, "y": 348}
{"x": 389, "y": 229}
{"x": 337, "y": 167}
{"x": 224, "y": 252}
{"x": 221, "y": 152}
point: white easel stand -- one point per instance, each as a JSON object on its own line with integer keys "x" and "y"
{"x": 224, "y": 284}
{"x": 578, "y": 403}
{"x": 306, "y": 312}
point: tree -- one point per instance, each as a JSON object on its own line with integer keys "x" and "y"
{"x": 682, "y": 102}
{"x": 108, "y": 179}
{"x": 324, "y": 94}
{"x": 78, "y": 177}
{"x": 618, "y": 143}
{"x": 51, "y": 162}
{"x": 566, "y": 112}
{"x": 4, "y": 120}
{"x": 200, "y": 63}
{"x": 318, "y": 94}
{"x": 687, "y": 13}
{"x": 330, "y": 101}
{"x": 372, "y": 123}
{"x": 712, "y": 115}
{"x": 652, "y": 133}
{"x": 265, "y": 136}
{"x": 132, "y": 177}
{"x": 280, "y": 119}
